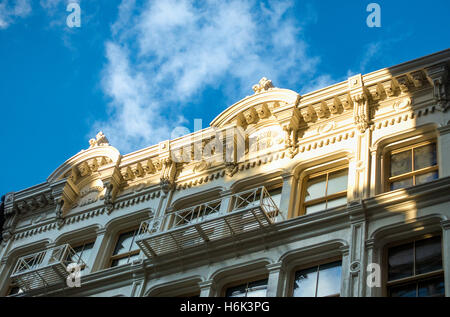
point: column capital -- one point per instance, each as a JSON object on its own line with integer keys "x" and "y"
{"x": 444, "y": 129}
{"x": 275, "y": 267}
{"x": 287, "y": 176}
{"x": 445, "y": 224}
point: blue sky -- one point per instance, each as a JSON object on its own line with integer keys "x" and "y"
{"x": 140, "y": 70}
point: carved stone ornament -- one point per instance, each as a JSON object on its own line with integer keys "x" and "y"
{"x": 361, "y": 112}
{"x": 100, "y": 139}
{"x": 168, "y": 172}
{"x": 109, "y": 198}
{"x": 231, "y": 168}
{"x": 263, "y": 85}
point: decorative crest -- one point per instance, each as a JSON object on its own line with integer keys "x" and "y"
{"x": 263, "y": 85}
{"x": 100, "y": 139}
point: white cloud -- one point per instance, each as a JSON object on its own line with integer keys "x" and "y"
{"x": 163, "y": 54}
{"x": 12, "y": 10}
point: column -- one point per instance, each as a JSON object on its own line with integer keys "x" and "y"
{"x": 226, "y": 201}
{"x": 207, "y": 288}
{"x": 446, "y": 255}
{"x": 98, "y": 252}
{"x": 444, "y": 150}
{"x": 287, "y": 196}
{"x": 345, "y": 283}
{"x": 357, "y": 263}
{"x": 275, "y": 284}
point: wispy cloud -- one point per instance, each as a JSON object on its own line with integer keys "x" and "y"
{"x": 175, "y": 49}
{"x": 12, "y": 10}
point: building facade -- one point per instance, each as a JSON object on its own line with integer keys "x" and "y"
{"x": 344, "y": 191}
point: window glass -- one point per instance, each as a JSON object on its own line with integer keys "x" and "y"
{"x": 125, "y": 243}
{"x": 126, "y": 249}
{"x": 401, "y": 261}
{"x": 412, "y": 261}
{"x": 431, "y": 288}
{"x": 257, "y": 288}
{"x": 408, "y": 290}
{"x": 237, "y": 291}
{"x": 428, "y": 255}
{"x": 425, "y": 156}
{"x": 315, "y": 208}
{"x": 427, "y": 177}
{"x": 305, "y": 283}
{"x": 322, "y": 280}
{"x": 316, "y": 188}
{"x": 337, "y": 202}
{"x": 407, "y": 182}
{"x": 401, "y": 163}
{"x": 337, "y": 182}
{"x": 329, "y": 279}
{"x": 250, "y": 289}
{"x": 82, "y": 252}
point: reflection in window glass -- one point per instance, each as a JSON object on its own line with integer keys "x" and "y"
{"x": 427, "y": 177}
{"x": 401, "y": 261}
{"x": 337, "y": 182}
{"x": 319, "y": 281}
{"x": 82, "y": 252}
{"x": 326, "y": 191}
{"x": 415, "y": 166}
{"x": 428, "y": 255}
{"x": 415, "y": 262}
{"x": 316, "y": 188}
{"x": 425, "y": 156}
{"x": 249, "y": 289}
{"x": 401, "y": 163}
{"x": 126, "y": 249}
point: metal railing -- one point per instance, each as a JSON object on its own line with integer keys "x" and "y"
{"x": 176, "y": 231}
{"x": 44, "y": 268}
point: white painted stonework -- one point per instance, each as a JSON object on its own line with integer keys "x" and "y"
{"x": 99, "y": 193}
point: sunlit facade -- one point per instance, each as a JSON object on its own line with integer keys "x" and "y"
{"x": 344, "y": 191}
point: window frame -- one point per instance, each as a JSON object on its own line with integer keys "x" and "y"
{"x": 302, "y": 267}
{"x": 127, "y": 254}
{"x": 325, "y": 198}
{"x": 417, "y": 278}
{"x": 387, "y": 168}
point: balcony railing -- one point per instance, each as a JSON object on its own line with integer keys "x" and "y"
{"x": 44, "y": 268}
{"x": 177, "y": 231}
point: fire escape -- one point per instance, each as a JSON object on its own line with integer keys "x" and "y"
{"x": 179, "y": 231}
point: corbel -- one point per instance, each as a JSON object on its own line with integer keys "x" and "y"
{"x": 262, "y": 111}
{"x": 65, "y": 193}
{"x": 309, "y": 114}
{"x": 417, "y": 78}
{"x": 113, "y": 185}
{"x": 390, "y": 87}
{"x": 403, "y": 82}
{"x": 437, "y": 75}
{"x": 251, "y": 116}
{"x": 322, "y": 109}
{"x": 360, "y": 98}
{"x": 10, "y": 214}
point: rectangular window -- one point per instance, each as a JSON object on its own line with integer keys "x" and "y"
{"x": 415, "y": 269}
{"x": 126, "y": 249}
{"x": 249, "y": 289}
{"x": 413, "y": 165}
{"x": 319, "y": 281}
{"x": 325, "y": 190}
